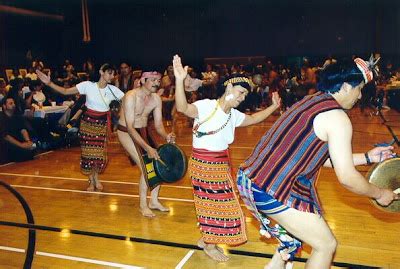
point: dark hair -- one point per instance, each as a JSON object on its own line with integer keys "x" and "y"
{"x": 245, "y": 83}
{"x": 106, "y": 67}
{"x": 16, "y": 81}
{"x": 4, "y": 100}
{"x": 125, "y": 62}
{"x": 332, "y": 78}
{"x": 34, "y": 83}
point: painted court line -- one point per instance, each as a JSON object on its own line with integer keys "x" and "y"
{"x": 184, "y": 260}
{"x": 100, "y": 193}
{"x": 85, "y": 179}
{"x": 20, "y": 250}
{"x": 6, "y": 164}
{"x": 73, "y": 258}
{"x": 44, "y": 153}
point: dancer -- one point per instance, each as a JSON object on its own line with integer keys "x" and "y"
{"x": 218, "y": 211}
{"x": 135, "y": 138}
{"x": 278, "y": 180}
{"x": 95, "y": 122}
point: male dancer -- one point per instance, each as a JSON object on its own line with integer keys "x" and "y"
{"x": 135, "y": 138}
{"x": 278, "y": 180}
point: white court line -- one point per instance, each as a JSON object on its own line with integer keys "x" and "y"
{"x": 73, "y": 258}
{"x": 107, "y": 193}
{"x": 44, "y": 153}
{"x": 12, "y": 249}
{"x": 6, "y": 164}
{"x": 184, "y": 260}
{"x": 100, "y": 193}
{"x": 85, "y": 179}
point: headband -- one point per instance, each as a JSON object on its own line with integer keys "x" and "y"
{"x": 153, "y": 74}
{"x": 237, "y": 80}
{"x": 368, "y": 69}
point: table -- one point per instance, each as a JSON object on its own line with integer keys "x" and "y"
{"x": 45, "y": 110}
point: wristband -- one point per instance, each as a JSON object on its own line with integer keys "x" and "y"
{"x": 367, "y": 158}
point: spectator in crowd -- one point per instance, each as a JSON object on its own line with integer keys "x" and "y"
{"x": 125, "y": 78}
{"x": 90, "y": 69}
{"x": 14, "y": 134}
{"x": 31, "y": 74}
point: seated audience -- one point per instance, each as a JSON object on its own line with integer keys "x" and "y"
{"x": 14, "y": 134}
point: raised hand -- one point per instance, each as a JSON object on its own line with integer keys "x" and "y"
{"x": 43, "y": 77}
{"x": 180, "y": 72}
{"x": 276, "y": 100}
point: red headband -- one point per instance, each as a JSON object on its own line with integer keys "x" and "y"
{"x": 153, "y": 74}
{"x": 365, "y": 69}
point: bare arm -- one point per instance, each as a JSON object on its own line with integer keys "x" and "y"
{"x": 339, "y": 133}
{"x": 26, "y": 144}
{"x": 28, "y": 101}
{"x": 180, "y": 97}
{"x": 375, "y": 155}
{"x": 157, "y": 114}
{"x": 61, "y": 90}
{"x": 262, "y": 115}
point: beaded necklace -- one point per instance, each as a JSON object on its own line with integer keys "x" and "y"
{"x": 199, "y": 134}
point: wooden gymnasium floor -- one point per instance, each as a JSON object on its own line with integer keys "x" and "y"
{"x": 78, "y": 229}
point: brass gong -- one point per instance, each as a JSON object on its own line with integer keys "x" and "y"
{"x": 386, "y": 175}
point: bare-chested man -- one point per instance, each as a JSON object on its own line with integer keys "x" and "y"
{"x": 134, "y": 137}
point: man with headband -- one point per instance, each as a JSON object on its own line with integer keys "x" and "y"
{"x": 278, "y": 180}
{"x": 219, "y": 214}
{"x": 135, "y": 137}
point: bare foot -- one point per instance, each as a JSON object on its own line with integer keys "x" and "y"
{"x": 201, "y": 244}
{"x": 276, "y": 262}
{"x": 91, "y": 186}
{"x": 212, "y": 251}
{"x": 158, "y": 206}
{"x": 99, "y": 186}
{"x": 146, "y": 212}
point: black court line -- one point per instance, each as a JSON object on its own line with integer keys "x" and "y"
{"x": 164, "y": 243}
{"x": 29, "y": 218}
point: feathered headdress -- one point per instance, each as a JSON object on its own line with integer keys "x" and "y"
{"x": 369, "y": 68}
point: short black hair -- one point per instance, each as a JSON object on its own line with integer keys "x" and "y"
{"x": 4, "y": 100}
{"x": 332, "y": 78}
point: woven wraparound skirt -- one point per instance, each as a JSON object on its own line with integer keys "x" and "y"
{"x": 218, "y": 210}
{"x": 93, "y": 140}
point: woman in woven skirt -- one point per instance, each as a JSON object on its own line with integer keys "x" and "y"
{"x": 95, "y": 122}
{"x": 218, "y": 210}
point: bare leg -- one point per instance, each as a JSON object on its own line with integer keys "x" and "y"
{"x": 144, "y": 208}
{"x": 99, "y": 186}
{"x": 154, "y": 202}
{"x": 276, "y": 262}
{"x": 129, "y": 146}
{"x": 91, "y": 186}
{"x": 313, "y": 230}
